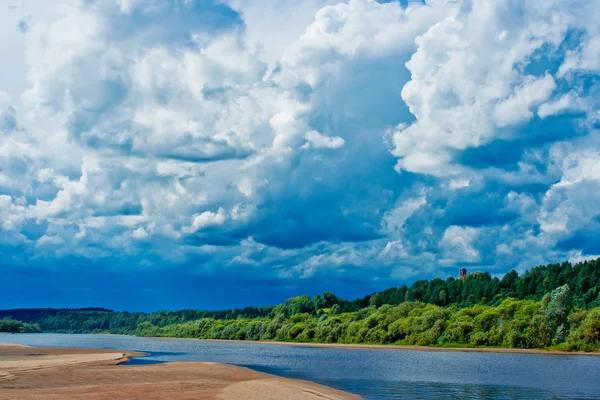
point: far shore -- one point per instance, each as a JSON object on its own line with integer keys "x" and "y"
{"x": 394, "y": 347}
{"x": 379, "y": 346}
{"x": 62, "y": 373}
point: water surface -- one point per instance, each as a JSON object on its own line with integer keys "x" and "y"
{"x": 372, "y": 373}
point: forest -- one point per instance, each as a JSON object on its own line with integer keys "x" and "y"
{"x": 551, "y": 306}
{"x": 9, "y": 325}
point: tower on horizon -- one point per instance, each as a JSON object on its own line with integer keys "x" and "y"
{"x": 462, "y": 273}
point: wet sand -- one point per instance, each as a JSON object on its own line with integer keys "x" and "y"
{"x": 56, "y": 373}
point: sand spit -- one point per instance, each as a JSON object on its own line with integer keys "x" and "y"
{"x": 52, "y": 373}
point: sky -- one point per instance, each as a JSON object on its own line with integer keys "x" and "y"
{"x": 168, "y": 154}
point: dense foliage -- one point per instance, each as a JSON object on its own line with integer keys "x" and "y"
{"x": 9, "y": 325}
{"x": 554, "y": 305}
{"x": 512, "y": 324}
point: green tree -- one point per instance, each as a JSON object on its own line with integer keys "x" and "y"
{"x": 556, "y": 307}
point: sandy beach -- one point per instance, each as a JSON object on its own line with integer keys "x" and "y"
{"x": 57, "y": 373}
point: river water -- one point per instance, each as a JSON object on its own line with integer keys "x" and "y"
{"x": 372, "y": 373}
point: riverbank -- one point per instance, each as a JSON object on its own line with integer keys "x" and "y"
{"x": 456, "y": 348}
{"x": 395, "y": 347}
{"x": 59, "y": 373}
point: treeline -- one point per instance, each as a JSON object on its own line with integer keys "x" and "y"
{"x": 552, "y": 322}
{"x": 583, "y": 280}
{"x": 327, "y": 318}
{"x": 10, "y": 325}
{"x": 94, "y": 320}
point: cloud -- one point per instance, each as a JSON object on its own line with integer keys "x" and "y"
{"x": 517, "y": 108}
{"x": 8, "y": 114}
{"x": 317, "y": 140}
{"x": 206, "y": 219}
{"x": 151, "y": 92}
{"x": 13, "y": 214}
{"x": 367, "y": 144}
{"x": 470, "y": 82}
{"x": 567, "y": 209}
{"x": 286, "y": 17}
{"x": 458, "y": 244}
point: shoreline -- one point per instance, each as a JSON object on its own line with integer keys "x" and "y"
{"x": 393, "y": 347}
{"x": 56, "y": 373}
{"x": 359, "y": 346}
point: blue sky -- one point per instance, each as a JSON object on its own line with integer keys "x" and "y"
{"x": 166, "y": 154}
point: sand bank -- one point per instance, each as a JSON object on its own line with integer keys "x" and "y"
{"x": 53, "y": 373}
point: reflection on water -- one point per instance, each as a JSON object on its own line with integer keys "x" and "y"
{"x": 373, "y": 374}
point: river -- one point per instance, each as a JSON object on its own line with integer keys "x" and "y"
{"x": 375, "y": 374}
